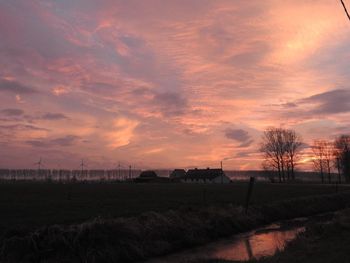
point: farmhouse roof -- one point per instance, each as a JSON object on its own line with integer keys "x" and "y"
{"x": 204, "y": 173}
{"x": 148, "y": 174}
{"x": 178, "y": 173}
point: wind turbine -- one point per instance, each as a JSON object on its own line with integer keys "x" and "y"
{"x": 82, "y": 165}
{"x": 59, "y": 171}
{"x": 116, "y": 172}
{"x": 133, "y": 170}
{"x": 118, "y": 167}
{"x": 39, "y": 164}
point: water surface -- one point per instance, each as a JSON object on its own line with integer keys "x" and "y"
{"x": 256, "y": 244}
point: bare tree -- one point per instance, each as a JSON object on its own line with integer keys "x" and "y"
{"x": 270, "y": 147}
{"x": 269, "y": 170}
{"x": 328, "y": 156}
{"x": 337, "y": 164}
{"x": 323, "y": 154}
{"x": 281, "y": 149}
{"x": 293, "y": 145}
{"x": 342, "y": 155}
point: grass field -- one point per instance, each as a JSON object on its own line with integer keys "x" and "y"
{"x": 30, "y": 205}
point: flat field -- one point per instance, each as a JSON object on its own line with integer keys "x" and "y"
{"x": 29, "y": 205}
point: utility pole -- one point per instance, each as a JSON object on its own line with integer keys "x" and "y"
{"x": 222, "y": 173}
{"x": 118, "y": 170}
{"x": 249, "y": 193}
{"x": 82, "y": 168}
{"x": 39, "y": 167}
{"x": 129, "y": 172}
{"x": 59, "y": 173}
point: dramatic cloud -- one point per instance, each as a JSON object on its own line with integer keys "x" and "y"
{"x": 330, "y": 102}
{"x": 121, "y": 132}
{"x": 239, "y": 135}
{"x": 163, "y": 84}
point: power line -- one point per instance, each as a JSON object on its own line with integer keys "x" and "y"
{"x": 346, "y": 11}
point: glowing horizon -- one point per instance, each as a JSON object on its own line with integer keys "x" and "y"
{"x": 165, "y": 84}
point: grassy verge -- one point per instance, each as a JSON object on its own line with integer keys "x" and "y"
{"x": 152, "y": 234}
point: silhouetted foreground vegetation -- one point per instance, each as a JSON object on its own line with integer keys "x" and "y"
{"x": 152, "y": 234}
{"x": 321, "y": 243}
{"x": 32, "y": 205}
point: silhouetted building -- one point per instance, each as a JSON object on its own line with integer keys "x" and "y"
{"x": 151, "y": 177}
{"x": 178, "y": 173}
{"x": 148, "y": 174}
{"x": 206, "y": 176}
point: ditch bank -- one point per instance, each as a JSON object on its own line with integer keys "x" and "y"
{"x": 321, "y": 242}
{"x": 154, "y": 234}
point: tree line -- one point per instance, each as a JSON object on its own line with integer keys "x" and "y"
{"x": 282, "y": 151}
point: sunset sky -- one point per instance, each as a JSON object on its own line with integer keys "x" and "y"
{"x": 167, "y": 83}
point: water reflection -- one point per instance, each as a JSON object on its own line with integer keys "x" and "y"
{"x": 256, "y": 244}
{"x": 250, "y": 253}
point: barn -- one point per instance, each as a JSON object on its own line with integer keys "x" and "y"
{"x": 178, "y": 173}
{"x": 208, "y": 175}
{"x": 151, "y": 177}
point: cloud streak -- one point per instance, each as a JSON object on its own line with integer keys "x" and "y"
{"x": 330, "y": 102}
{"x": 65, "y": 141}
{"x": 239, "y": 135}
{"x": 15, "y": 87}
{"x": 12, "y": 112}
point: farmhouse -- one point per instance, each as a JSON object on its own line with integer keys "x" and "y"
{"x": 151, "y": 177}
{"x": 205, "y": 176}
{"x": 178, "y": 173}
{"x": 148, "y": 174}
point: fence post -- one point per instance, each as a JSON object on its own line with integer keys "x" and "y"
{"x": 204, "y": 196}
{"x": 249, "y": 193}
{"x": 336, "y": 187}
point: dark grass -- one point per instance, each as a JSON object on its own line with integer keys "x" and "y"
{"x": 153, "y": 233}
{"x": 30, "y": 205}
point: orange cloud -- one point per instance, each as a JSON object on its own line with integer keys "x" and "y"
{"x": 121, "y": 133}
